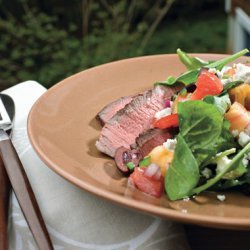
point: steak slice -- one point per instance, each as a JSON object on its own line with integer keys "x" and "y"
{"x": 152, "y": 138}
{"x": 112, "y": 108}
{"x": 144, "y": 144}
{"x": 135, "y": 118}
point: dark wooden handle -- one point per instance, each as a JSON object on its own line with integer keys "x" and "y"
{"x": 5, "y": 188}
{"x": 25, "y": 195}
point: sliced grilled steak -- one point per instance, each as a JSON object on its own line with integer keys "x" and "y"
{"x": 145, "y": 142}
{"x": 135, "y": 118}
{"x": 152, "y": 138}
{"x": 112, "y": 108}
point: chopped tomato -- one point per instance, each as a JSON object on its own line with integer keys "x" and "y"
{"x": 146, "y": 184}
{"x": 238, "y": 117}
{"x": 169, "y": 121}
{"x": 207, "y": 84}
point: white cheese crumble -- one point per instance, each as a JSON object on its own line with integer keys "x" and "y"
{"x": 221, "y": 197}
{"x": 163, "y": 113}
{"x": 212, "y": 70}
{"x": 206, "y": 172}
{"x": 235, "y": 132}
{"x": 225, "y": 69}
{"x": 246, "y": 160}
{"x": 244, "y": 138}
{"x": 242, "y": 72}
{"x": 170, "y": 144}
{"x": 215, "y": 71}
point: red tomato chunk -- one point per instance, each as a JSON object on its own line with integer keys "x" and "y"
{"x": 146, "y": 184}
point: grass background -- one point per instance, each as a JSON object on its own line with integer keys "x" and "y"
{"x": 49, "y": 40}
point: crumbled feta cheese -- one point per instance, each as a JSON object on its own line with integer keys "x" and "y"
{"x": 225, "y": 81}
{"x": 212, "y": 70}
{"x": 163, "y": 113}
{"x": 170, "y": 144}
{"x": 246, "y": 159}
{"x": 215, "y": 71}
{"x": 206, "y": 172}
{"x": 186, "y": 199}
{"x": 242, "y": 73}
{"x": 235, "y": 132}
{"x": 244, "y": 138}
{"x": 225, "y": 69}
{"x": 221, "y": 197}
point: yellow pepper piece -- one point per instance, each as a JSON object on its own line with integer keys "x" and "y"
{"x": 162, "y": 157}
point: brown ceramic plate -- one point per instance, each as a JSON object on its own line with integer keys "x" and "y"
{"x": 63, "y": 131}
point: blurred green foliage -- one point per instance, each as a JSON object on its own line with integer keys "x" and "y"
{"x": 47, "y": 41}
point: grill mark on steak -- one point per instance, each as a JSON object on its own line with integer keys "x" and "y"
{"x": 132, "y": 120}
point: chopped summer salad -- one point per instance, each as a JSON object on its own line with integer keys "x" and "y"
{"x": 211, "y": 146}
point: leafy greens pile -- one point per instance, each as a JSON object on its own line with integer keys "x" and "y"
{"x": 204, "y": 139}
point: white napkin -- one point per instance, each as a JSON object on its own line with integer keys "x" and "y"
{"x": 76, "y": 219}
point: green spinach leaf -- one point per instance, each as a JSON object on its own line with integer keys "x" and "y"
{"x": 230, "y": 85}
{"x": 226, "y": 140}
{"x": 183, "y": 174}
{"x": 222, "y": 103}
{"x": 221, "y": 63}
{"x": 231, "y": 165}
{"x": 191, "y": 75}
{"x": 191, "y": 63}
{"x": 200, "y": 124}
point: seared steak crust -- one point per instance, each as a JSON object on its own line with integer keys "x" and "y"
{"x": 112, "y": 108}
{"x": 152, "y": 138}
{"x": 132, "y": 120}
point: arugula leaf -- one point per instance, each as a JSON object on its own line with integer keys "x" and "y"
{"x": 169, "y": 81}
{"x": 230, "y": 85}
{"x": 227, "y": 168}
{"x": 200, "y": 127}
{"x": 191, "y": 75}
{"x": 221, "y": 63}
{"x": 191, "y": 63}
{"x": 203, "y": 155}
{"x": 200, "y": 123}
{"x": 238, "y": 171}
{"x": 226, "y": 184}
{"x": 183, "y": 174}
{"x": 186, "y": 78}
{"x": 221, "y": 159}
{"x": 226, "y": 140}
{"x": 222, "y": 103}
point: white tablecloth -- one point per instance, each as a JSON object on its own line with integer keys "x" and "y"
{"x": 76, "y": 219}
